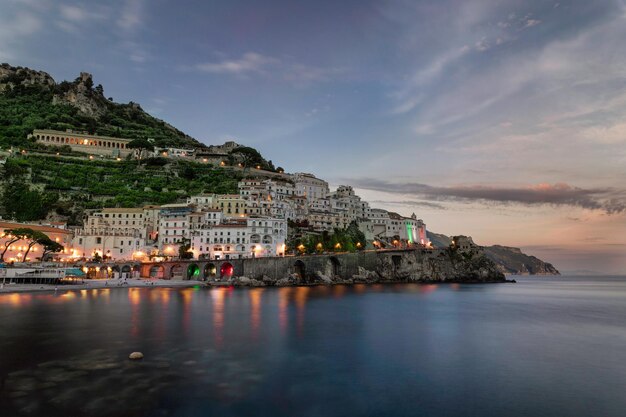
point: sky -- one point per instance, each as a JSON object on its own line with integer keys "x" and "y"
{"x": 503, "y": 120}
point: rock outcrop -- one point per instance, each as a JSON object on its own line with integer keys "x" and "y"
{"x": 509, "y": 260}
{"x": 514, "y": 261}
{"x": 11, "y": 77}
{"x": 81, "y": 94}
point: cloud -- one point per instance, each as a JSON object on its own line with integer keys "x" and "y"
{"x": 73, "y": 13}
{"x": 482, "y": 45}
{"x": 305, "y": 74}
{"x": 131, "y": 15}
{"x": 24, "y": 24}
{"x": 79, "y": 15}
{"x": 255, "y": 63}
{"x": 411, "y": 203}
{"x": 608, "y": 200}
{"x": 250, "y": 62}
{"x": 531, "y": 22}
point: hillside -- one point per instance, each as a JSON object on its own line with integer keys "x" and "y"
{"x": 36, "y": 187}
{"x": 514, "y": 261}
{"x": 509, "y": 260}
{"x": 31, "y": 99}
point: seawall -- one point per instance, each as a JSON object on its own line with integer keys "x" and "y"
{"x": 408, "y": 265}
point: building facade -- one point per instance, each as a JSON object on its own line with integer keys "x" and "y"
{"x": 80, "y": 142}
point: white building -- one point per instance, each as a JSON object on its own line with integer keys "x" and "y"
{"x": 174, "y": 225}
{"x": 241, "y": 238}
{"x": 309, "y": 186}
{"x": 203, "y": 200}
{"x": 112, "y": 233}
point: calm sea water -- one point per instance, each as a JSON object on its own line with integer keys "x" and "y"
{"x": 541, "y": 347}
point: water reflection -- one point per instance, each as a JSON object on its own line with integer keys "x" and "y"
{"x": 187, "y": 296}
{"x": 134, "y": 297}
{"x": 283, "y": 305}
{"x": 341, "y": 350}
{"x": 217, "y": 296}
{"x": 255, "y": 296}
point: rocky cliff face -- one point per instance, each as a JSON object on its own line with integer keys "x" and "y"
{"x": 509, "y": 260}
{"x": 440, "y": 266}
{"x": 80, "y": 94}
{"x": 514, "y": 261}
{"x": 427, "y": 266}
{"x": 11, "y": 77}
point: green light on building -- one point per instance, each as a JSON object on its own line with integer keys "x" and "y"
{"x": 409, "y": 232}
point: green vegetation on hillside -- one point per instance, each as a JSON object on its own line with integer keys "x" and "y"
{"x": 35, "y": 185}
{"x": 349, "y": 239}
{"x": 27, "y": 107}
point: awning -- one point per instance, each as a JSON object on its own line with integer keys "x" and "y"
{"x": 74, "y": 272}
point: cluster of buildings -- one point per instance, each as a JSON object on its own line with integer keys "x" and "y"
{"x": 252, "y": 223}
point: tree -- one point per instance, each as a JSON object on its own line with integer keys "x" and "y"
{"x": 15, "y": 235}
{"x": 247, "y": 156}
{"x": 184, "y": 250}
{"x": 140, "y": 145}
{"x": 49, "y": 246}
{"x": 188, "y": 173}
{"x": 35, "y": 238}
{"x": 24, "y": 204}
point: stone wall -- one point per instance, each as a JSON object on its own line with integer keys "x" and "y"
{"x": 370, "y": 266}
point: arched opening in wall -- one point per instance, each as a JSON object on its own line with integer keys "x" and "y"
{"x": 116, "y": 271}
{"x": 137, "y": 268}
{"x": 335, "y": 265}
{"x": 255, "y": 239}
{"x": 157, "y": 271}
{"x": 210, "y": 271}
{"x": 299, "y": 269}
{"x": 176, "y": 272}
{"x": 193, "y": 272}
{"x": 267, "y": 239}
{"x": 396, "y": 260}
{"x": 126, "y": 271}
{"x": 226, "y": 270}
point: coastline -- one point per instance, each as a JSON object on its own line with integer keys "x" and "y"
{"x": 98, "y": 285}
{"x": 156, "y": 283}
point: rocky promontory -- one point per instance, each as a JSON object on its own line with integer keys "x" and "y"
{"x": 509, "y": 260}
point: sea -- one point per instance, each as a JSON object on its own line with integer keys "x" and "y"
{"x": 544, "y": 346}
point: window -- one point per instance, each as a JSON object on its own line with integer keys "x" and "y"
{"x": 98, "y": 240}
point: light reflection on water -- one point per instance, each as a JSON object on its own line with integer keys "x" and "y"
{"x": 544, "y": 346}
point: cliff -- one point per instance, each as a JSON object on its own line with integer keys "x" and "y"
{"x": 514, "y": 261}
{"x": 31, "y": 99}
{"x": 509, "y": 260}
